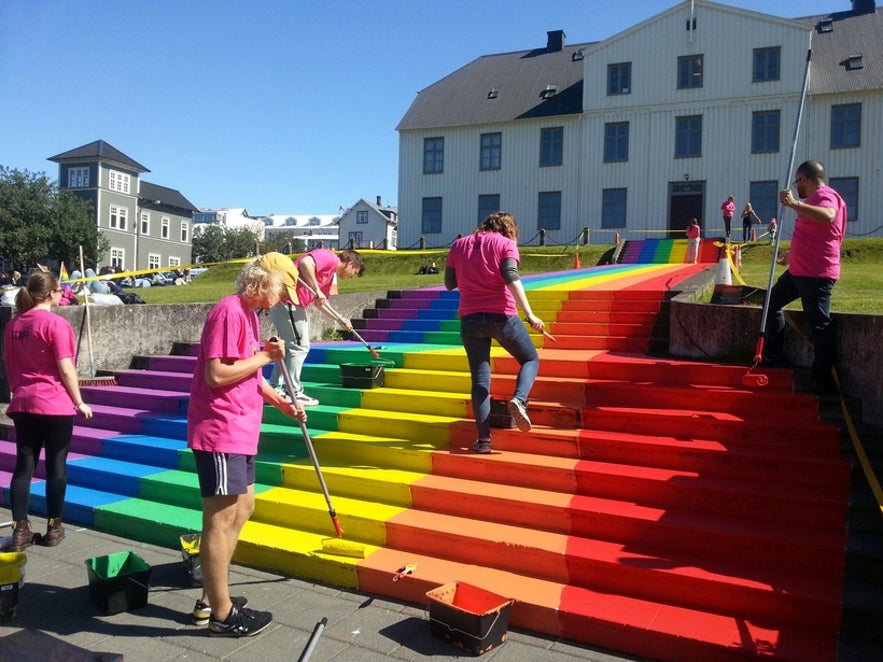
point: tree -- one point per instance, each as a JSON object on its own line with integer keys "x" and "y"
{"x": 217, "y": 244}
{"x": 283, "y": 242}
{"x": 41, "y": 223}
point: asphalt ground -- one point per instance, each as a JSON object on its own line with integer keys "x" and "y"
{"x": 55, "y": 609}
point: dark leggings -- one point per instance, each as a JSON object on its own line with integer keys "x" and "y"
{"x": 34, "y": 432}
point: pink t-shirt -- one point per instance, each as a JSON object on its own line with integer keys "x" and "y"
{"x": 692, "y": 231}
{"x": 729, "y": 207}
{"x": 226, "y": 419}
{"x": 476, "y": 258}
{"x": 326, "y": 266}
{"x": 34, "y": 342}
{"x": 815, "y": 247}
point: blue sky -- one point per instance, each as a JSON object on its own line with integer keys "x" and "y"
{"x": 272, "y": 105}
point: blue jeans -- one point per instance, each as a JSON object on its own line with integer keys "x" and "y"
{"x": 815, "y": 296}
{"x": 477, "y": 331}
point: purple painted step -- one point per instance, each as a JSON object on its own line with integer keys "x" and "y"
{"x": 167, "y": 402}
{"x": 154, "y": 379}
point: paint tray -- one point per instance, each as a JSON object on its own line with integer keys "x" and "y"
{"x": 361, "y": 375}
{"x": 469, "y": 617}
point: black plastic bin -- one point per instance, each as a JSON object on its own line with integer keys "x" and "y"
{"x": 118, "y": 582}
{"x": 361, "y": 375}
{"x": 469, "y": 617}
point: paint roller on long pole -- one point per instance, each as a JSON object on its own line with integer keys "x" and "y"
{"x": 333, "y": 314}
{"x": 88, "y": 317}
{"x": 757, "y": 379}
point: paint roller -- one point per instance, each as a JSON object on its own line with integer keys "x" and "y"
{"x": 329, "y": 545}
{"x": 333, "y": 314}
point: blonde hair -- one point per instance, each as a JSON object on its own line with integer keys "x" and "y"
{"x": 501, "y": 222}
{"x": 256, "y": 283}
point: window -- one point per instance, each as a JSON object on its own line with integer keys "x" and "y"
{"x": 205, "y": 217}
{"x": 354, "y": 239}
{"x": 765, "y": 131}
{"x": 154, "y": 260}
{"x": 613, "y": 207}
{"x": 847, "y": 187}
{"x": 619, "y": 78}
{"x": 552, "y": 146}
{"x": 487, "y": 205}
{"x": 689, "y": 72}
{"x": 361, "y": 217}
{"x": 433, "y": 155}
{"x": 174, "y": 261}
{"x": 78, "y": 178}
{"x": 616, "y": 142}
{"x": 185, "y": 232}
{"x": 764, "y": 196}
{"x": 688, "y": 136}
{"x": 431, "y": 216}
{"x": 766, "y": 64}
{"x": 118, "y": 258}
{"x": 118, "y": 216}
{"x": 549, "y": 211}
{"x": 119, "y": 182}
{"x": 846, "y": 126}
{"x": 164, "y": 227}
{"x": 145, "y": 224}
{"x": 491, "y": 151}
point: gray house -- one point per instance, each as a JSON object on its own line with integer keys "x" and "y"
{"x": 369, "y": 225}
{"x": 148, "y": 226}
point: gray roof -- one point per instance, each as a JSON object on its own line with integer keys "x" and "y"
{"x": 461, "y": 98}
{"x": 852, "y": 34}
{"x": 99, "y": 150}
{"x": 519, "y": 78}
{"x": 168, "y": 197}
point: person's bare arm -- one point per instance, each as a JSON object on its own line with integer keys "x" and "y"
{"x": 223, "y": 372}
{"x": 69, "y": 378}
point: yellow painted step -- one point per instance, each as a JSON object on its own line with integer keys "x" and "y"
{"x": 423, "y": 398}
{"x": 418, "y": 427}
{"x": 389, "y": 486}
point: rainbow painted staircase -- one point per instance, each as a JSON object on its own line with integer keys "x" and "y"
{"x": 656, "y": 508}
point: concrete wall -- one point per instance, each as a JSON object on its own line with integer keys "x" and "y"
{"x": 729, "y": 333}
{"x": 121, "y": 332}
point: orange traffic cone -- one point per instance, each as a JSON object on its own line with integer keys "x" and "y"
{"x": 576, "y": 260}
{"x": 753, "y": 234}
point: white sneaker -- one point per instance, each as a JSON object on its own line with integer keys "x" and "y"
{"x": 280, "y": 389}
{"x": 305, "y": 401}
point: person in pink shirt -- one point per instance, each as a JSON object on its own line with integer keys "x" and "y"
{"x": 484, "y": 267}
{"x": 728, "y": 207}
{"x": 316, "y": 272}
{"x": 693, "y": 231}
{"x": 223, "y": 425}
{"x": 39, "y": 351}
{"x": 813, "y": 268}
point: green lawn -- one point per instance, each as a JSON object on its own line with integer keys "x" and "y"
{"x": 858, "y": 291}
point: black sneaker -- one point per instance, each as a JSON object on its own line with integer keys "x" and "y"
{"x": 481, "y": 446}
{"x": 518, "y": 411}
{"x": 242, "y": 622}
{"x": 202, "y": 612}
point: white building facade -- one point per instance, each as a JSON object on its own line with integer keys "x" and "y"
{"x": 639, "y": 133}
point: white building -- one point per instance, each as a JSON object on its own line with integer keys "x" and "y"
{"x": 369, "y": 225}
{"x": 316, "y": 231}
{"x": 640, "y": 132}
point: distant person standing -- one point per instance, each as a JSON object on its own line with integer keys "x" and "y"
{"x": 728, "y": 208}
{"x": 39, "y": 349}
{"x": 748, "y": 218}
{"x": 693, "y": 232}
{"x": 771, "y": 230}
{"x": 813, "y": 268}
{"x": 484, "y": 267}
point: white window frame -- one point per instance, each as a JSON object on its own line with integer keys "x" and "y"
{"x": 118, "y": 217}
{"x": 145, "y": 223}
{"x": 154, "y": 260}
{"x": 185, "y": 232}
{"x": 78, "y": 178}
{"x": 118, "y": 258}
{"x": 118, "y": 181}
{"x": 174, "y": 261}
{"x": 361, "y": 217}
{"x": 165, "y": 225}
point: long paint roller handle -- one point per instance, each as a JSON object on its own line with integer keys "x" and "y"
{"x": 333, "y": 314}
{"x": 545, "y": 333}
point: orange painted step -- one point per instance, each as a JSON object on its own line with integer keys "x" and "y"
{"x": 598, "y": 329}
{"x": 610, "y": 343}
{"x": 553, "y": 414}
{"x": 770, "y": 501}
{"x": 691, "y": 581}
{"x": 594, "y": 305}
{"x": 637, "y": 627}
{"x": 609, "y": 316}
{"x": 635, "y": 294}
{"x": 660, "y": 531}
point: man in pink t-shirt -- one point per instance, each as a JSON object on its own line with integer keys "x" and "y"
{"x": 813, "y": 268}
{"x": 224, "y": 415}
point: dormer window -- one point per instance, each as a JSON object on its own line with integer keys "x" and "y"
{"x": 550, "y": 91}
{"x": 577, "y": 55}
{"x": 854, "y": 62}
{"x": 825, "y": 26}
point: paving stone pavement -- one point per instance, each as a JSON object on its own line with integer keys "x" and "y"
{"x": 55, "y": 600}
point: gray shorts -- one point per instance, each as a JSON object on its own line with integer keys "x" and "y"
{"x": 223, "y": 474}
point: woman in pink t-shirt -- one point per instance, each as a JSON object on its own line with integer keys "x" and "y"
{"x": 484, "y": 267}
{"x": 693, "y": 231}
{"x": 39, "y": 350}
